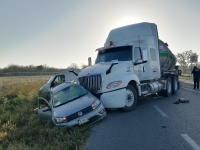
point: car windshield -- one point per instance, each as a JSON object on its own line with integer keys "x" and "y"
{"x": 51, "y": 79}
{"x": 68, "y": 94}
{"x": 120, "y": 53}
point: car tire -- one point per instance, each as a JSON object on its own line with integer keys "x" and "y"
{"x": 131, "y": 98}
{"x": 175, "y": 85}
{"x": 168, "y": 91}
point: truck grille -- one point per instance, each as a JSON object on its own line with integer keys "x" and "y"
{"x": 92, "y": 83}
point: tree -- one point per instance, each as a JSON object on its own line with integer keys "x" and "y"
{"x": 83, "y": 66}
{"x": 30, "y": 68}
{"x": 40, "y": 68}
{"x": 184, "y": 59}
{"x": 75, "y": 66}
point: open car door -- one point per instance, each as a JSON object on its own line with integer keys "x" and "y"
{"x": 44, "y": 109}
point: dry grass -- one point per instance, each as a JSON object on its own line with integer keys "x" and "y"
{"x": 189, "y": 78}
{"x": 9, "y": 80}
{"x": 28, "y": 89}
{"x": 21, "y": 128}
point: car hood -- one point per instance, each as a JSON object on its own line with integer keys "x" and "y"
{"x": 74, "y": 106}
{"x": 95, "y": 69}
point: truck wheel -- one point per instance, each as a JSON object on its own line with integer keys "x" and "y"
{"x": 131, "y": 98}
{"x": 160, "y": 93}
{"x": 168, "y": 91}
{"x": 174, "y": 85}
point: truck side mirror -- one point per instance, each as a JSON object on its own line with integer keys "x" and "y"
{"x": 144, "y": 55}
{"x": 114, "y": 62}
{"x": 72, "y": 70}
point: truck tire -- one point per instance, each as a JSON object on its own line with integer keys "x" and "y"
{"x": 174, "y": 85}
{"x": 131, "y": 98}
{"x": 168, "y": 91}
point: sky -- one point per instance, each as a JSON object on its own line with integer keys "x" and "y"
{"x": 58, "y": 33}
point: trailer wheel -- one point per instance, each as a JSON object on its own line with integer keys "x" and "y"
{"x": 174, "y": 85}
{"x": 131, "y": 98}
{"x": 168, "y": 91}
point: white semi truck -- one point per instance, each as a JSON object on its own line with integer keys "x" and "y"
{"x": 133, "y": 63}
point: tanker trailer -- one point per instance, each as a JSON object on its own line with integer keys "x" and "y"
{"x": 167, "y": 58}
{"x": 168, "y": 70}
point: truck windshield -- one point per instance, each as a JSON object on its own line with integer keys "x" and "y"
{"x": 120, "y": 53}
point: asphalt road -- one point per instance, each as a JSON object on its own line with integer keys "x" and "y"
{"x": 156, "y": 124}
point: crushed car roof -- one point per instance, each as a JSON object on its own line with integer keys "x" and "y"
{"x": 61, "y": 86}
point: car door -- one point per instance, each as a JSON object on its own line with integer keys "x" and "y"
{"x": 44, "y": 109}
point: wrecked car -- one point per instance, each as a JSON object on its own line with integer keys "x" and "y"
{"x": 70, "y": 104}
{"x": 57, "y": 79}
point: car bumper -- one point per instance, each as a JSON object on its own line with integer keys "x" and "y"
{"x": 114, "y": 99}
{"x": 92, "y": 117}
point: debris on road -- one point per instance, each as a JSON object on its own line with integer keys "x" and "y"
{"x": 181, "y": 100}
{"x": 176, "y": 102}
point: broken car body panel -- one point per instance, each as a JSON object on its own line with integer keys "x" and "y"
{"x": 56, "y": 80}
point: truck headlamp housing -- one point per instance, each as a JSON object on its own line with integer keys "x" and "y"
{"x": 113, "y": 84}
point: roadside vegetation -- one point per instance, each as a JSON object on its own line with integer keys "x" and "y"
{"x": 41, "y": 68}
{"x": 184, "y": 61}
{"x": 185, "y": 78}
{"x": 21, "y": 128}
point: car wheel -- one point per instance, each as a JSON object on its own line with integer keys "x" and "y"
{"x": 168, "y": 91}
{"x": 174, "y": 85}
{"x": 131, "y": 98}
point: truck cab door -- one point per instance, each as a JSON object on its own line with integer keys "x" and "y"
{"x": 44, "y": 109}
{"x": 138, "y": 62}
{"x": 142, "y": 65}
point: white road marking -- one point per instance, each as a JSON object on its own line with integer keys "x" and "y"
{"x": 191, "y": 90}
{"x": 191, "y": 142}
{"x": 160, "y": 111}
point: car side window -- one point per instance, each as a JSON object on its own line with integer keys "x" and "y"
{"x": 62, "y": 78}
{"x": 137, "y": 53}
{"x": 58, "y": 80}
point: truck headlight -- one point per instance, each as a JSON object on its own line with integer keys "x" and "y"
{"x": 59, "y": 120}
{"x": 95, "y": 104}
{"x": 113, "y": 84}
